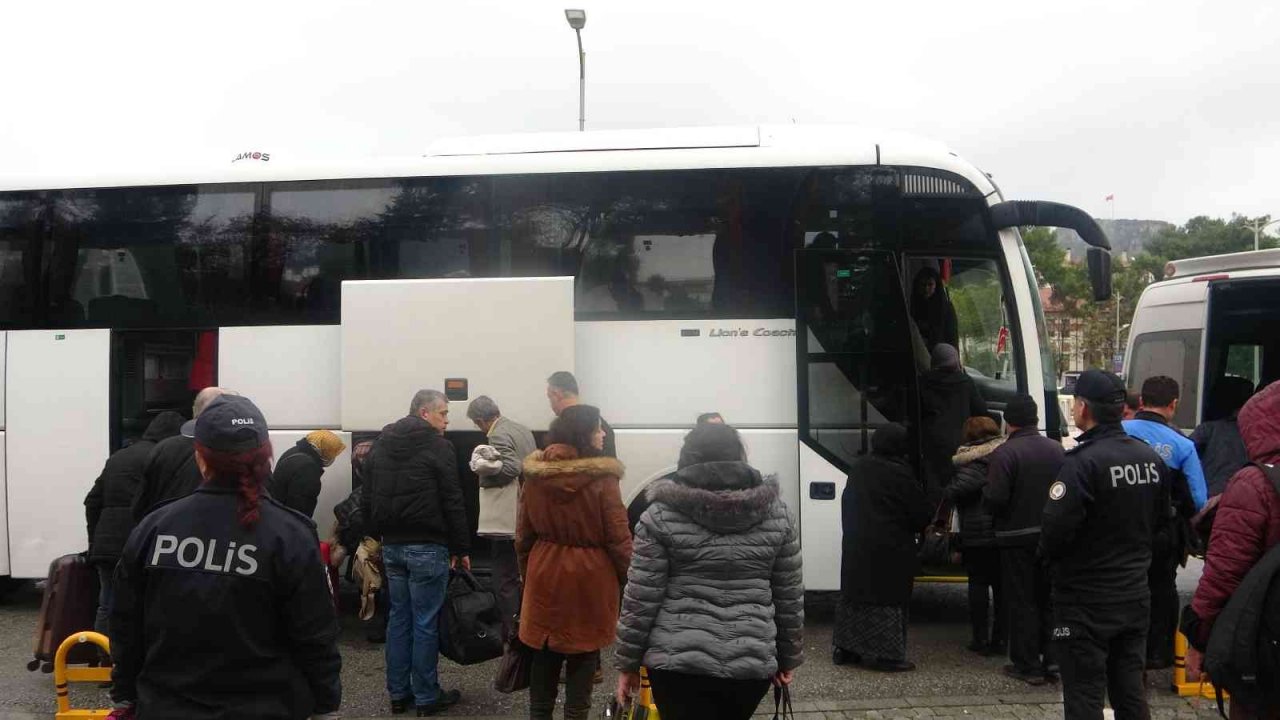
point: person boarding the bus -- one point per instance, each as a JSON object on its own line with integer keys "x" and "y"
{"x": 562, "y": 392}
{"x": 499, "y": 476}
{"x": 413, "y": 502}
{"x": 1018, "y": 480}
{"x": 1188, "y": 493}
{"x": 948, "y": 397}
{"x": 932, "y": 310}
{"x": 171, "y": 470}
{"x": 108, "y": 507}
{"x": 296, "y": 479}
{"x": 222, "y": 603}
{"x": 1099, "y": 522}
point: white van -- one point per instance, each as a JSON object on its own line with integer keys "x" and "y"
{"x": 1211, "y": 317}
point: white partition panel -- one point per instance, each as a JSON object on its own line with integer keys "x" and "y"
{"x": 56, "y": 440}
{"x": 667, "y": 372}
{"x": 335, "y": 484}
{"x": 503, "y": 335}
{"x": 3, "y": 351}
{"x": 4, "y": 513}
{"x": 820, "y": 533}
{"x": 293, "y": 373}
{"x": 650, "y": 454}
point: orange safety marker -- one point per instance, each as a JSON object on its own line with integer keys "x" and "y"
{"x": 1189, "y": 688}
{"x": 62, "y": 675}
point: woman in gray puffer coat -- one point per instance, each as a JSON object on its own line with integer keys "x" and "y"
{"x": 714, "y": 602}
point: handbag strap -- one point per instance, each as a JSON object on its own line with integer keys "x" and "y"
{"x": 782, "y": 703}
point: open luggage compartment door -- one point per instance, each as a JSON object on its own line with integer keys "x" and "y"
{"x": 499, "y": 337}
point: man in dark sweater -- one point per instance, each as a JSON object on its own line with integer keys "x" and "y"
{"x": 171, "y": 471}
{"x": 1019, "y": 477}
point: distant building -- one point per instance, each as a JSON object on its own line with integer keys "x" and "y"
{"x": 1066, "y": 333}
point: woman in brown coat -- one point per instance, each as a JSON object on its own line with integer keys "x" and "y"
{"x": 574, "y": 548}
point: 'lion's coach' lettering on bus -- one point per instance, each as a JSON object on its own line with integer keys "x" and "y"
{"x": 747, "y": 332}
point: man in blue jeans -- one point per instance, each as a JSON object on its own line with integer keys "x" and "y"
{"x": 416, "y": 507}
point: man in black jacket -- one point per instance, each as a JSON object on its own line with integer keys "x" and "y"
{"x": 414, "y": 503}
{"x": 1019, "y": 477}
{"x": 1108, "y": 502}
{"x": 108, "y": 509}
{"x": 295, "y": 481}
{"x": 171, "y": 470}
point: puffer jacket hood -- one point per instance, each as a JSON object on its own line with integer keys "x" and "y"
{"x": 976, "y": 451}
{"x": 1260, "y": 425}
{"x": 405, "y": 437}
{"x": 565, "y": 473}
{"x": 165, "y": 425}
{"x": 724, "y": 497}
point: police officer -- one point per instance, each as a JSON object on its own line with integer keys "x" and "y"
{"x": 223, "y": 608}
{"x": 1096, "y": 536}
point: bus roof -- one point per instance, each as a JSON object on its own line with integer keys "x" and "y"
{"x": 591, "y": 151}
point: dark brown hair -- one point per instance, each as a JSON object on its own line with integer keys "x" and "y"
{"x": 979, "y": 428}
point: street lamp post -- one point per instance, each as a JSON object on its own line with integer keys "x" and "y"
{"x": 578, "y": 20}
{"x": 1257, "y": 227}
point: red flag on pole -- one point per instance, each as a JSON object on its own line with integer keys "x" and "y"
{"x": 1111, "y": 197}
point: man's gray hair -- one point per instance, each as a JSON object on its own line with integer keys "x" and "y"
{"x": 483, "y": 408}
{"x": 206, "y": 396}
{"x": 424, "y": 398}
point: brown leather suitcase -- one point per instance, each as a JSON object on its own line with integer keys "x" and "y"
{"x": 69, "y": 605}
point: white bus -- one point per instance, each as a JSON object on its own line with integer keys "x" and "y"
{"x": 1210, "y": 318}
{"x": 762, "y": 273}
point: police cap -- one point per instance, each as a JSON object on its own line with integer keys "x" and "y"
{"x": 1100, "y": 386}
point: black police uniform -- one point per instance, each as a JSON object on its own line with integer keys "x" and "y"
{"x": 1097, "y": 533}
{"x": 217, "y": 621}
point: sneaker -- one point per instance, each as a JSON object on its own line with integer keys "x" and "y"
{"x": 1030, "y": 677}
{"x": 840, "y": 656}
{"x": 401, "y": 706}
{"x": 446, "y": 700}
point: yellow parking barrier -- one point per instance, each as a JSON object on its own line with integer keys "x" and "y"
{"x": 1189, "y": 688}
{"x": 62, "y": 675}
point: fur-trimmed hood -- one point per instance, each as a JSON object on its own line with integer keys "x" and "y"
{"x": 560, "y": 467}
{"x": 976, "y": 451}
{"x": 724, "y": 497}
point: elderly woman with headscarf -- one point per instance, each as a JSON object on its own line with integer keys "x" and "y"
{"x": 882, "y": 510}
{"x": 932, "y": 310}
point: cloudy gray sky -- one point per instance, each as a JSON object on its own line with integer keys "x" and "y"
{"x": 1172, "y": 106}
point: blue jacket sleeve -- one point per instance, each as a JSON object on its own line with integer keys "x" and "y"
{"x": 1195, "y": 475}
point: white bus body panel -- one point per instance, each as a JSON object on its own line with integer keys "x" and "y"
{"x": 292, "y": 372}
{"x": 57, "y": 440}
{"x": 821, "y": 530}
{"x": 660, "y": 374}
{"x": 1025, "y": 303}
{"x": 504, "y": 335}
{"x": 4, "y": 344}
{"x": 4, "y": 511}
{"x": 651, "y": 454}
{"x": 335, "y": 484}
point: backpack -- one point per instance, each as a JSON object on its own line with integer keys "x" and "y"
{"x": 1243, "y": 655}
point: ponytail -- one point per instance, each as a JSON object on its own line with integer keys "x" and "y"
{"x": 247, "y": 472}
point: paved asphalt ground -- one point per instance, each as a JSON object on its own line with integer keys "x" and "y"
{"x": 950, "y": 682}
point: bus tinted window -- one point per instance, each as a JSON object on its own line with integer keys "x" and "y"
{"x": 19, "y": 259}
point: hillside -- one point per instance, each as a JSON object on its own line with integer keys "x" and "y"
{"x": 1127, "y": 236}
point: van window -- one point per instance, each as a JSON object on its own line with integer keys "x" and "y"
{"x": 1175, "y": 354}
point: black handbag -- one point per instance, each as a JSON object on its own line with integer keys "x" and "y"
{"x": 515, "y": 665}
{"x": 470, "y": 622}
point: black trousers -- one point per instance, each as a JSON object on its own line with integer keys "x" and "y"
{"x": 544, "y": 684}
{"x": 680, "y": 696}
{"x": 982, "y": 564}
{"x": 1026, "y": 590}
{"x": 505, "y": 581}
{"x": 1162, "y": 578}
{"x": 1101, "y": 650}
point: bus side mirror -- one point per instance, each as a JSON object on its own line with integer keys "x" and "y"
{"x": 1015, "y": 213}
{"x": 1100, "y": 273}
